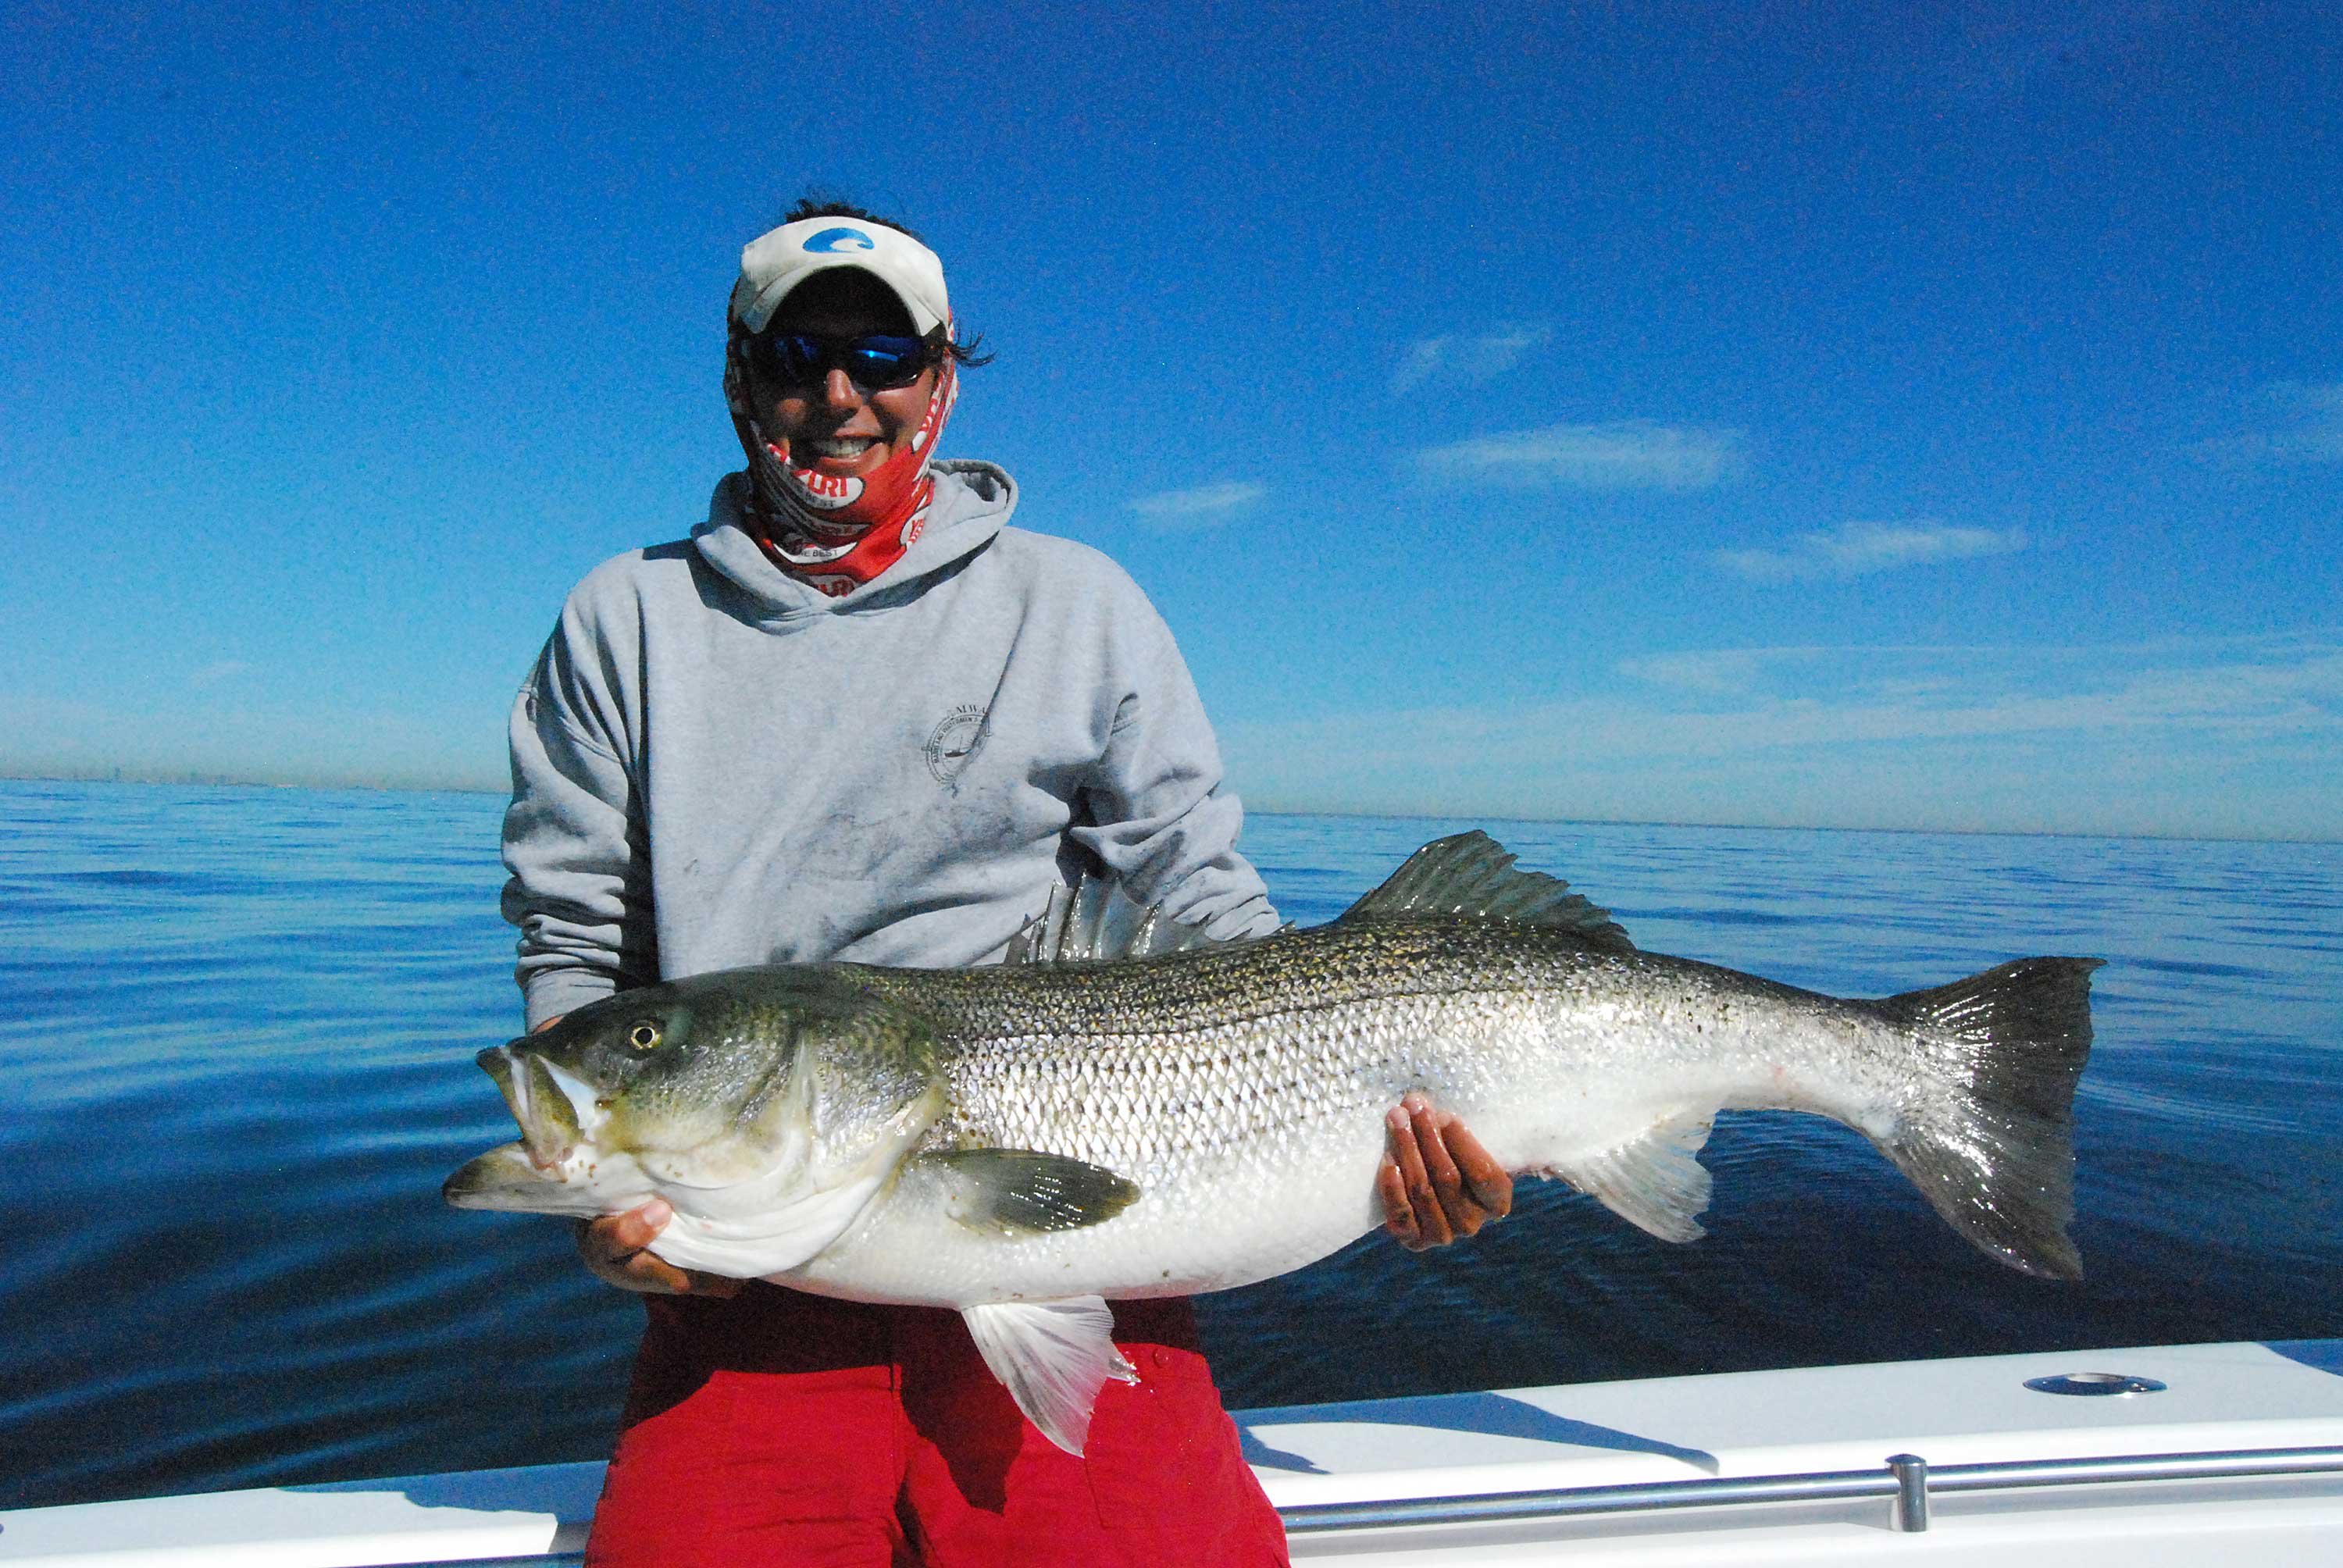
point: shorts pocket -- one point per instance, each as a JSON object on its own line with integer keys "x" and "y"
{"x": 1163, "y": 1461}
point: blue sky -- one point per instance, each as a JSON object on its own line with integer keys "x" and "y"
{"x": 1920, "y": 415}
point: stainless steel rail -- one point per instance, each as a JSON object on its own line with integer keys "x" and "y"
{"x": 1908, "y": 1479}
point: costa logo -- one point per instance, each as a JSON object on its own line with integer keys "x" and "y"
{"x": 834, "y": 239}
{"x": 836, "y": 587}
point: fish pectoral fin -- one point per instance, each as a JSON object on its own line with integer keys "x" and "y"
{"x": 1022, "y": 1192}
{"x": 1652, "y": 1180}
{"x": 1053, "y": 1357}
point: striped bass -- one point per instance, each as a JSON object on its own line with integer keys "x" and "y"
{"x": 1023, "y": 1141}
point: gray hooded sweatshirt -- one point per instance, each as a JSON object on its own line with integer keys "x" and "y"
{"x": 714, "y": 764}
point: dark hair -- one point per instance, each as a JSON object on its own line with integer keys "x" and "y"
{"x": 816, "y": 204}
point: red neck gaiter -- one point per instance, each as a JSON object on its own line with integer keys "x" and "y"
{"x": 836, "y": 534}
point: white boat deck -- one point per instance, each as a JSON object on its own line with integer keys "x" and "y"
{"x": 1534, "y": 1473}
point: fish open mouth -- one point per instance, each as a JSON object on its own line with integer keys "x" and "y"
{"x": 548, "y": 1103}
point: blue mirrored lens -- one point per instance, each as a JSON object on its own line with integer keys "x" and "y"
{"x": 799, "y": 359}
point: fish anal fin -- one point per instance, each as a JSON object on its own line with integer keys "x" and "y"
{"x": 1053, "y": 1357}
{"x": 1653, "y": 1181}
{"x": 1470, "y": 876}
{"x": 1023, "y": 1191}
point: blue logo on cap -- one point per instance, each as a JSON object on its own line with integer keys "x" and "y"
{"x": 841, "y": 239}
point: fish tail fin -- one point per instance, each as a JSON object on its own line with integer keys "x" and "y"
{"x": 1992, "y": 1147}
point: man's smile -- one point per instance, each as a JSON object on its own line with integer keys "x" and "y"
{"x": 844, "y": 449}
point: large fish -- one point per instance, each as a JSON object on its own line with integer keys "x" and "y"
{"x": 1022, "y": 1141}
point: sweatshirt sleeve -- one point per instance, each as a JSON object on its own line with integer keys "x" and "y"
{"x": 574, "y": 839}
{"x": 1156, "y": 815}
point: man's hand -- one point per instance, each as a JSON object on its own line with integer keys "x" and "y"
{"x": 1436, "y": 1181}
{"x": 614, "y": 1248}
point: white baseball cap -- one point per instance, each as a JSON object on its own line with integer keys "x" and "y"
{"x": 772, "y": 266}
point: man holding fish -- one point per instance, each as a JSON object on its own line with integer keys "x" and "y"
{"x": 856, "y": 717}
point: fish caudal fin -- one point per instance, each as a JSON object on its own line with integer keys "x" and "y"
{"x": 1993, "y": 1150}
{"x": 1053, "y": 1357}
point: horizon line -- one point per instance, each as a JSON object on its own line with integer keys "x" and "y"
{"x": 149, "y": 779}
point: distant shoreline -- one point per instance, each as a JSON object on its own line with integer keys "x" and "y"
{"x": 328, "y": 785}
{"x": 192, "y": 779}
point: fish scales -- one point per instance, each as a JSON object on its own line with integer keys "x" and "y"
{"x": 1191, "y": 1055}
{"x": 1321, "y": 1023}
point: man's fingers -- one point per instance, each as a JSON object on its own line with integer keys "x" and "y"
{"x": 1399, "y": 1215}
{"x": 1462, "y": 1210}
{"x": 649, "y": 1272}
{"x": 636, "y": 1228}
{"x": 614, "y": 1250}
{"x": 1437, "y": 1181}
{"x": 1490, "y": 1186}
{"x": 611, "y": 1260}
{"x": 1431, "y": 1218}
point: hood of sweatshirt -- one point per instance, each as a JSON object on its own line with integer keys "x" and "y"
{"x": 972, "y": 501}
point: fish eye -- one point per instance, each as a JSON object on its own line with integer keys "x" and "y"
{"x": 644, "y": 1036}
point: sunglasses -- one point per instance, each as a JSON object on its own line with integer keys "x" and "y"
{"x": 876, "y": 363}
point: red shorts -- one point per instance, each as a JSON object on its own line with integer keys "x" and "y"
{"x": 783, "y": 1428}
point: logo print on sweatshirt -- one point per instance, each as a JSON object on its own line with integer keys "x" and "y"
{"x": 839, "y": 239}
{"x": 955, "y": 742}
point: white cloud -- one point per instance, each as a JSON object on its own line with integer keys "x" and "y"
{"x": 214, "y": 673}
{"x": 1424, "y": 357}
{"x": 2221, "y": 737}
{"x": 1857, "y": 548}
{"x": 1631, "y": 454}
{"x": 2298, "y": 422}
{"x": 1721, "y": 670}
{"x": 2001, "y": 52}
{"x": 1202, "y": 506}
{"x": 1468, "y": 358}
{"x": 2317, "y": 435}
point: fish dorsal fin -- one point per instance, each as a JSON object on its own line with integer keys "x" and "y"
{"x": 1053, "y": 1357}
{"x": 1096, "y": 919}
{"x": 1470, "y": 875}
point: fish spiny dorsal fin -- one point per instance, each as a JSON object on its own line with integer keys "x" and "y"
{"x": 1096, "y": 919}
{"x": 1471, "y": 876}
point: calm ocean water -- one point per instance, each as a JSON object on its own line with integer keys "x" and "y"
{"x": 238, "y": 1029}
